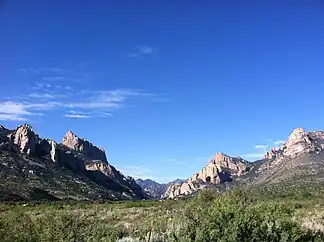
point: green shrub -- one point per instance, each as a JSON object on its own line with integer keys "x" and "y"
{"x": 233, "y": 216}
{"x": 236, "y": 217}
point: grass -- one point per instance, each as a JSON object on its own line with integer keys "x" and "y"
{"x": 234, "y": 216}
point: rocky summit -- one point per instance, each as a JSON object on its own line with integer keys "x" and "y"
{"x": 300, "y": 157}
{"x": 222, "y": 168}
{"x": 32, "y": 168}
{"x": 90, "y": 151}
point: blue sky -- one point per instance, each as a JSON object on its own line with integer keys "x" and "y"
{"x": 163, "y": 85}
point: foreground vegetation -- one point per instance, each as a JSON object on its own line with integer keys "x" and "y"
{"x": 234, "y": 216}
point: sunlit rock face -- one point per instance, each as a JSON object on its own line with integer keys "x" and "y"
{"x": 299, "y": 142}
{"x": 220, "y": 169}
{"x": 91, "y": 151}
{"x": 25, "y": 139}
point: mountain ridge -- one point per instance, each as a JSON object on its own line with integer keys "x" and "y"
{"x": 34, "y": 168}
{"x": 301, "y": 154}
{"x": 74, "y": 169}
{"x": 155, "y": 189}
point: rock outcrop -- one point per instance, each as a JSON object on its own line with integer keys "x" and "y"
{"x": 299, "y": 142}
{"x": 104, "y": 168}
{"x": 74, "y": 167}
{"x": 103, "y": 172}
{"x": 48, "y": 147}
{"x": 91, "y": 152}
{"x": 25, "y": 138}
{"x": 222, "y": 168}
{"x": 214, "y": 171}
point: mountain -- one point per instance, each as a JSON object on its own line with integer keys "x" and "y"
{"x": 299, "y": 160}
{"x": 220, "y": 169}
{"x": 32, "y": 168}
{"x": 154, "y": 189}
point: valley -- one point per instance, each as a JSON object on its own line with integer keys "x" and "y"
{"x": 70, "y": 187}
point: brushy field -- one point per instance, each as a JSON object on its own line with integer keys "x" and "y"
{"x": 234, "y": 216}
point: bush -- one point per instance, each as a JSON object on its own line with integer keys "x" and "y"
{"x": 236, "y": 217}
{"x": 233, "y": 216}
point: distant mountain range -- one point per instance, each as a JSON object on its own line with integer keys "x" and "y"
{"x": 33, "y": 168}
{"x": 301, "y": 158}
{"x": 154, "y": 189}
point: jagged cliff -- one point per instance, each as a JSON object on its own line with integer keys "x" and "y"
{"x": 301, "y": 157}
{"x": 89, "y": 150}
{"x": 222, "y": 168}
{"x": 33, "y": 168}
{"x": 74, "y": 169}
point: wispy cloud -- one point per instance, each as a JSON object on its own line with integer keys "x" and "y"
{"x": 42, "y": 95}
{"x": 279, "y": 142}
{"x": 145, "y": 50}
{"x": 175, "y": 161}
{"x": 11, "y": 117}
{"x": 137, "y": 172}
{"x": 142, "y": 51}
{"x": 53, "y": 69}
{"x": 29, "y": 71}
{"x": 253, "y": 156}
{"x": 85, "y": 104}
{"x": 78, "y": 74}
{"x": 54, "y": 78}
{"x": 50, "y": 92}
{"x": 261, "y": 147}
{"x": 41, "y": 70}
{"x": 76, "y": 116}
{"x": 40, "y": 86}
{"x": 13, "y": 111}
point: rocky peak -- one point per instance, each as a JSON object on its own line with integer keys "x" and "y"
{"x": 91, "y": 151}
{"x": 221, "y": 168}
{"x": 3, "y": 131}
{"x": 25, "y": 138}
{"x": 222, "y": 160}
{"x": 299, "y": 142}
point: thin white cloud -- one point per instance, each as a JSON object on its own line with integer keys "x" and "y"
{"x": 76, "y": 116}
{"x": 203, "y": 158}
{"x": 176, "y": 161}
{"x": 58, "y": 74}
{"x": 13, "y": 111}
{"x": 86, "y": 104}
{"x": 41, "y": 106}
{"x": 142, "y": 51}
{"x": 261, "y": 147}
{"x": 137, "y": 172}
{"x": 52, "y": 69}
{"x": 11, "y": 117}
{"x": 54, "y": 78}
{"x": 253, "y": 156}
{"x": 29, "y": 71}
{"x": 10, "y": 107}
{"x": 145, "y": 50}
{"x": 42, "y": 95}
{"x": 41, "y": 70}
{"x": 41, "y": 86}
{"x": 279, "y": 142}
